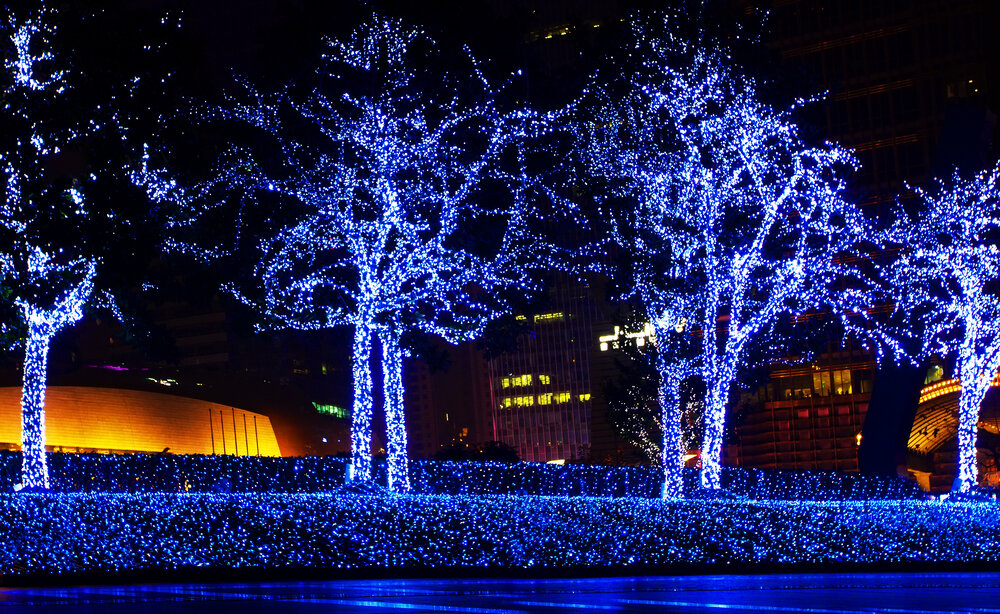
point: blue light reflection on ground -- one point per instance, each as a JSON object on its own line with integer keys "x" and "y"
{"x": 902, "y": 593}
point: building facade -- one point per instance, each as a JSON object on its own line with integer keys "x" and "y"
{"x": 542, "y": 392}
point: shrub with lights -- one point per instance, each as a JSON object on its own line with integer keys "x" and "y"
{"x": 168, "y": 473}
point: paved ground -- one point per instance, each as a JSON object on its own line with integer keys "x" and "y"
{"x": 827, "y": 593}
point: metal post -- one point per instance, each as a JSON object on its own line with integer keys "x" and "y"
{"x": 255, "y": 435}
{"x": 236, "y": 441}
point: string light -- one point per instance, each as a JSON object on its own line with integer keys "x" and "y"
{"x": 392, "y": 180}
{"x": 945, "y": 277}
{"x": 469, "y": 524}
{"x": 738, "y": 221}
{"x": 73, "y": 472}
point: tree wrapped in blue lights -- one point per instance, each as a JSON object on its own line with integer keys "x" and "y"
{"x": 412, "y": 210}
{"x": 946, "y": 277}
{"x": 63, "y": 133}
{"x": 739, "y": 224}
{"x": 50, "y": 286}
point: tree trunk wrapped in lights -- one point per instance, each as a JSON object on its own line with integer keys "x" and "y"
{"x": 946, "y": 277}
{"x": 43, "y": 324}
{"x": 361, "y": 410}
{"x": 669, "y": 398}
{"x": 733, "y": 220}
{"x": 34, "y": 468}
{"x": 395, "y": 417}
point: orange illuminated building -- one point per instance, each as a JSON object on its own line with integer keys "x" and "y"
{"x": 112, "y": 420}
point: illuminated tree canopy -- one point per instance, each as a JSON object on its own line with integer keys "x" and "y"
{"x": 409, "y": 207}
{"x": 946, "y": 278}
{"x": 739, "y": 223}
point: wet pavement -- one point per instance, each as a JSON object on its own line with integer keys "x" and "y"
{"x": 828, "y": 593}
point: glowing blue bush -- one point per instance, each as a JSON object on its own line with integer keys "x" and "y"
{"x": 196, "y": 473}
{"x": 58, "y": 534}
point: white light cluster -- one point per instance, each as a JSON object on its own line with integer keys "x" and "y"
{"x": 739, "y": 221}
{"x": 946, "y": 278}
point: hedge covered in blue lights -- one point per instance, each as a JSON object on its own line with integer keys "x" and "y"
{"x": 89, "y": 532}
{"x": 130, "y": 473}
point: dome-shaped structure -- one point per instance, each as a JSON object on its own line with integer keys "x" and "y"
{"x": 933, "y": 441}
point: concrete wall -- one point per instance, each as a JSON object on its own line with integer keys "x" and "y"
{"x": 82, "y": 419}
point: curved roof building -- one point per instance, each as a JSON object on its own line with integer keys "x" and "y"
{"x": 114, "y": 420}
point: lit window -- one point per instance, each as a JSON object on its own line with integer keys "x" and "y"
{"x": 842, "y": 382}
{"x": 507, "y": 401}
{"x": 521, "y": 380}
{"x": 545, "y": 399}
{"x": 545, "y": 379}
{"x": 821, "y": 383}
{"x": 332, "y": 410}
{"x": 550, "y": 317}
{"x": 585, "y": 396}
{"x": 562, "y": 397}
{"x": 506, "y": 382}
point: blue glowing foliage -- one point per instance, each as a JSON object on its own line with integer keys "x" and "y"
{"x": 72, "y": 472}
{"x": 413, "y": 210}
{"x": 946, "y": 277}
{"x": 738, "y": 222}
{"x": 56, "y": 534}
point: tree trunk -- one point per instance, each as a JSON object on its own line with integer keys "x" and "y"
{"x": 672, "y": 454}
{"x": 714, "y": 423}
{"x": 361, "y": 411}
{"x": 34, "y": 468}
{"x": 969, "y": 400}
{"x": 889, "y": 420}
{"x": 395, "y": 417}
